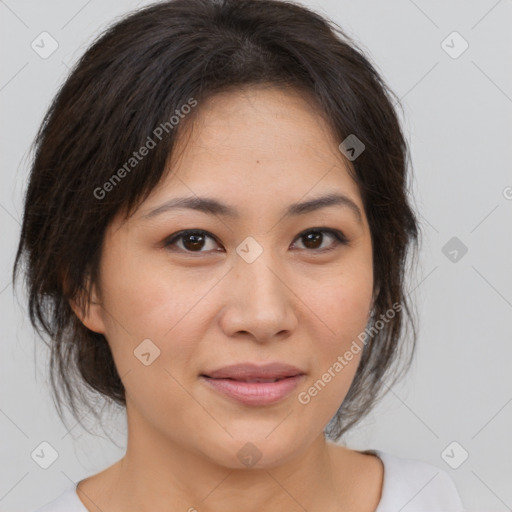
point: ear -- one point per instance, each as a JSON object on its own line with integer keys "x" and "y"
{"x": 89, "y": 312}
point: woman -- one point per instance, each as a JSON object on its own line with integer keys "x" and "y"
{"x": 215, "y": 234}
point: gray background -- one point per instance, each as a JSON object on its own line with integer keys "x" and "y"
{"x": 458, "y": 119}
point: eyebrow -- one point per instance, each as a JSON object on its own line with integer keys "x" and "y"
{"x": 215, "y": 207}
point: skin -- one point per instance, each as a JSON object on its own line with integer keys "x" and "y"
{"x": 259, "y": 150}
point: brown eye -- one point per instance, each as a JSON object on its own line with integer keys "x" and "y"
{"x": 191, "y": 241}
{"x": 200, "y": 241}
{"x": 314, "y": 238}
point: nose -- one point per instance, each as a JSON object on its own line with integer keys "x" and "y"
{"x": 261, "y": 303}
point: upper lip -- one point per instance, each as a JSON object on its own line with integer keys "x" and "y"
{"x": 252, "y": 371}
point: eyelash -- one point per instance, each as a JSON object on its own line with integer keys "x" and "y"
{"x": 338, "y": 236}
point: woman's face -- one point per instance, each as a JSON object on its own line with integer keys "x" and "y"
{"x": 259, "y": 286}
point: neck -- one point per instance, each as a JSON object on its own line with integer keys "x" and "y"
{"x": 191, "y": 482}
{"x": 157, "y": 474}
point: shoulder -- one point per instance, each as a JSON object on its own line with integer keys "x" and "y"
{"x": 68, "y": 501}
{"x": 411, "y": 484}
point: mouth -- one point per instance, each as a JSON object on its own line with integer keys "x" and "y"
{"x": 253, "y": 372}
{"x": 253, "y": 385}
{"x": 248, "y": 380}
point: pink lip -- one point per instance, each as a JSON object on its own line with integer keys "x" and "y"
{"x": 253, "y": 371}
{"x": 231, "y": 381}
{"x": 255, "y": 393}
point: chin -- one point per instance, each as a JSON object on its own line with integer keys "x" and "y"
{"x": 248, "y": 450}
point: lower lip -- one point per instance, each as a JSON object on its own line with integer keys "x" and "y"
{"x": 255, "y": 393}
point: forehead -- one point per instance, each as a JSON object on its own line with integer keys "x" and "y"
{"x": 262, "y": 122}
{"x": 262, "y": 151}
{"x": 264, "y": 139}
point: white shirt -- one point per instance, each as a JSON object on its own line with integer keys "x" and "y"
{"x": 409, "y": 485}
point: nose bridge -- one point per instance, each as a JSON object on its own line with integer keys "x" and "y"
{"x": 262, "y": 277}
{"x": 260, "y": 301}
{"x": 257, "y": 268}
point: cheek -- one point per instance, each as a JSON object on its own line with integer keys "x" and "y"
{"x": 147, "y": 297}
{"x": 152, "y": 338}
{"x": 342, "y": 308}
{"x": 146, "y": 302}
{"x": 342, "y": 305}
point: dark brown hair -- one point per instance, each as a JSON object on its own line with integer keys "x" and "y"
{"x": 132, "y": 80}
